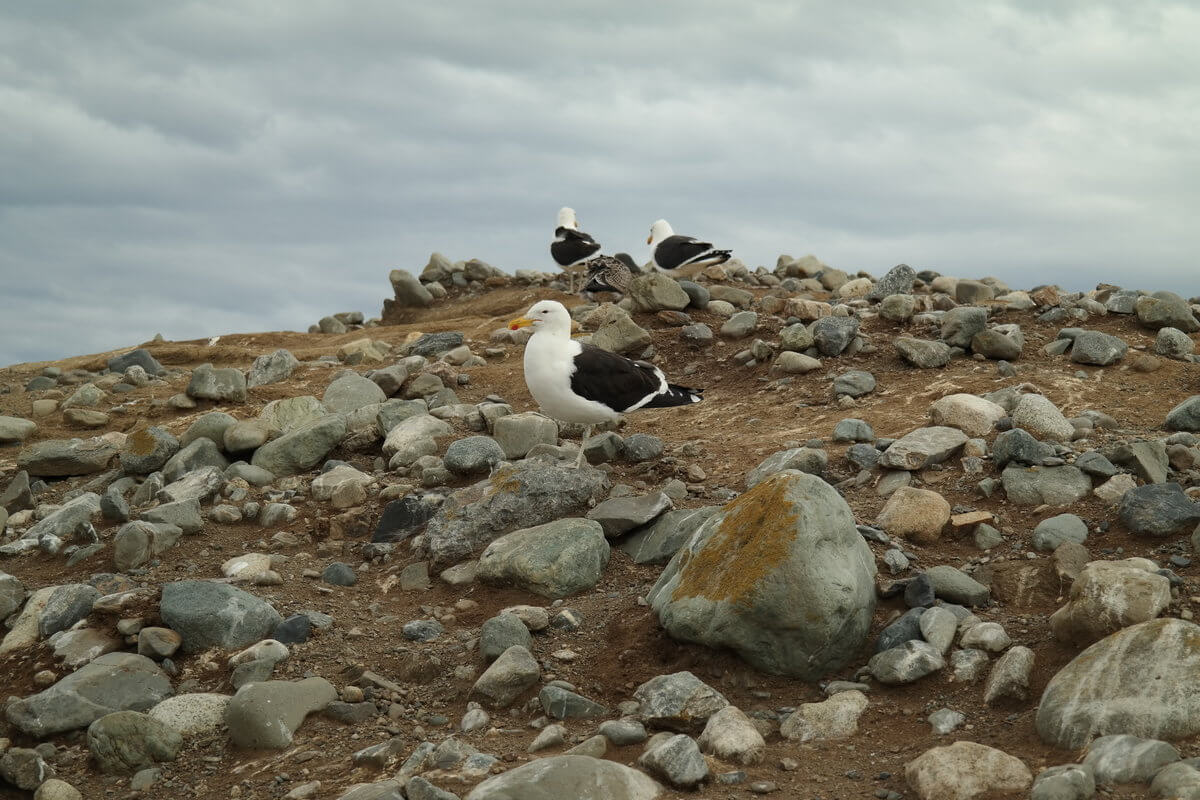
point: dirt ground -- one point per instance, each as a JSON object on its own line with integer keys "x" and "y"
{"x": 746, "y": 415}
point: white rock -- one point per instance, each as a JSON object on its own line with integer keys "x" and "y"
{"x": 966, "y": 771}
{"x": 971, "y": 414}
{"x": 835, "y": 718}
{"x": 731, "y": 736}
{"x": 192, "y": 714}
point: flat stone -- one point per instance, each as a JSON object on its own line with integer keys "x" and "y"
{"x": 923, "y": 447}
{"x": 568, "y": 776}
{"x": 266, "y": 715}
{"x": 620, "y": 515}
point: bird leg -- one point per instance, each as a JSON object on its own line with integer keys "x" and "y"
{"x": 587, "y": 433}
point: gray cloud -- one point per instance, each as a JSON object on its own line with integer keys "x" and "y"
{"x": 239, "y": 166}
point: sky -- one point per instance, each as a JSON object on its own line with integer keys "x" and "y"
{"x": 229, "y": 166}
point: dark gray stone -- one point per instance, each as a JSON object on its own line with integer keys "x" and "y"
{"x": 473, "y": 455}
{"x": 561, "y": 703}
{"x": 140, "y": 357}
{"x": 1158, "y": 510}
{"x": 855, "y": 383}
{"x": 658, "y": 541}
{"x": 1019, "y": 446}
{"x": 339, "y": 574}
{"x": 620, "y": 515}
{"x": 959, "y": 325}
{"x": 209, "y": 614}
{"x": 1097, "y": 348}
{"x": 434, "y": 344}
{"x": 1185, "y": 416}
{"x": 898, "y": 280}
{"x": 832, "y": 335}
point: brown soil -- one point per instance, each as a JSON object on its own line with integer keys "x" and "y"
{"x": 745, "y": 416}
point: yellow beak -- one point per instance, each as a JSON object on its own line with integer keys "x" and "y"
{"x": 520, "y": 322}
{"x": 650, "y": 238}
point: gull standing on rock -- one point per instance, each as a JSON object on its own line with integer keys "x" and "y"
{"x": 584, "y": 384}
{"x": 571, "y": 246}
{"x": 674, "y": 253}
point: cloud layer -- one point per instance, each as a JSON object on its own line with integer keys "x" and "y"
{"x": 204, "y": 168}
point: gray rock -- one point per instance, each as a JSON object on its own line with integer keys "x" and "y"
{"x": 898, "y": 281}
{"x": 898, "y": 307}
{"x": 65, "y": 522}
{"x": 25, "y": 769}
{"x": 959, "y": 325}
{"x": 832, "y": 335}
{"x": 1174, "y": 343}
{"x": 1185, "y": 416}
{"x": 853, "y": 430}
{"x": 395, "y": 411}
{"x": 225, "y": 384}
{"x": 620, "y": 334}
{"x": 907, "y": 663}
{"x": 112, "y": 682}
{"x": 473, "y": 455}
{"x": 678, "y": 702}
{"x": 655, "y": 292}
{"x": 302, "y": 448}
{"x": 215, "y": 615}
{"x": 1010, "y": 676}
{"x": 1147, "y": 459}
{"x": 12, "y": 595}
{"x": 1158, "y": 510}
{"x": 795, "y": 338}
{"x": 945, "y": 721}
{"x": 1135, "y": 681}
{"x": 1042, "y": 418}
{"x": 349, "y": 392}
{"x": 1066, "y": 782}
{"x": 1094, "y": 463}
{"x": 780, "y": 575}
{"x": 1056, "y": 486}
{"x": 567, "y": 776}
{"x": 1052, "y": 532}
{"x": 802, "y": 459}
{"x": 970, "y": 292}
{"x": 952, "y": 584}
{"x": 995, "y": 344}
{"x": 1166, "y": 310}
{"x": 422, "y": 630}
{"x": 246, "y": 436}
{"x": 740, "y": 324}
{"x": 517, "y": 434}
{"x": 657, "y": 542}
{"x": 15, "y": 429}
{"x": 512, "y": 674}
{"x": 1097, "y": 348}
{"x": 146, "y": 450}
{"x": 57, "y": 458}
{"x": 1017, "y": 445}
{"x": 184, "y": 514}
{"x": 643, "y": 447}
{"x": 500, "y": 633}
{"x": 408, "y": 290}
{"x": 969, "y": 665}
{"x": 200, "y": 484}
{"x": 209, "y": 426}
{"x": 272, "y": 368}
{"x": 140, "y": 357}
{"x": 434, "y": 344}
{"x": 265, "y": 715}
{"x": 560, "y": 703}
{"x": 677, "y": 760}
{"x": 906, "y": 628}
{"x": 1121, "y": 758}
{"x": 1178, "y": 781}
{"x": 339, "y": 574}
{"x": 855, "y": 383}
{"x": 67, "y": 605}
{"x": 522, "y": 495}
{"x": 619, "y": 515}
{"x": 922, "y": 447}
{"x": 418, "y": 788}
{"x": 965, "y": 771}
{"x": 285, "y": 415}
{"x": 17, "y": 495}
{"x": 698, "y": 296}
{"x": 553, "y": 560}
{"x": 199, "y": 453}
{"x": 127, "y": 741}
{"x": 923, "y": 353}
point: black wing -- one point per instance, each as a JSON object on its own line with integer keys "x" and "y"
{"x": 571, "y": 246}
{"x": 623, "y": 384}
{"x": 675, "y": 251}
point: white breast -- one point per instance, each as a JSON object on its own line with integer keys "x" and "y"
{"x": 548, "y": 367}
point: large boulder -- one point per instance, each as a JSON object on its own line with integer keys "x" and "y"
{"x": 574, "y": 777}
{"x": 780, "y": 575}
{"x": 966, "y": 771}
{"x": 1158, "y": 509}
{"x": 112, "y": 682}
{"x": 1140, "y": 680}
{"x": 210, "y": 614}
{"x": 266, "y": 714}
{"x": 1108, "y": 596}
{"x": 519, "y": 496}
{"x": 58, "y": 458}
{"x": 1185, "y": 416}
{"x": 302, "y": 448}
{"x": 554, "y": 560}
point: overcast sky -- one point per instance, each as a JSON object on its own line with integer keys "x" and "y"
{"x": 197, "y": 168}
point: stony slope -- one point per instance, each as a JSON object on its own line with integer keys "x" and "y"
{"x": 802, "y": 359}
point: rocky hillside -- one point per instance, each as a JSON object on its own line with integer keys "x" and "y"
{"x": 925, "y": 537}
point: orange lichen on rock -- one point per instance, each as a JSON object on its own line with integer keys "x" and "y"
{"x": 141, "y": 442}
{"x": 754, "y": 538}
